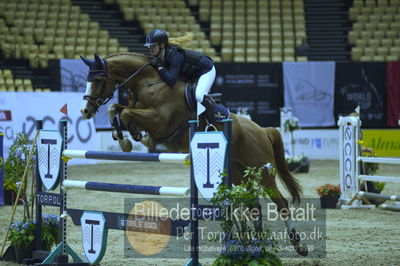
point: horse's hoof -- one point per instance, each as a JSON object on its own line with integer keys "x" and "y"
{"x": 125, "y": 144}
{"x": 114, "y": 135}
{"x": 137, "y": 136}
{"x": 148, "y": 142}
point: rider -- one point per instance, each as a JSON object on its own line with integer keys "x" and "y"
{"x": 173, "y": 61}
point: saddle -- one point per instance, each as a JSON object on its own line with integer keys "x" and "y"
{"x": 190, "y": 96}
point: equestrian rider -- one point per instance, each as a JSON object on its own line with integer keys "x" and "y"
{"x": 172, "y": 61}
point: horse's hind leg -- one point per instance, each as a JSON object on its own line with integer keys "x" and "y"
{"x": 283, "y": 206}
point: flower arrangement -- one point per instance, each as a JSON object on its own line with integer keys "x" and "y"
{"x": 291, "y": 124}
{"x": 368, "y": 168}
{"x": 242, "y": 248}
{"x": 328, "y": 189}
{"x": 22, "y": 233}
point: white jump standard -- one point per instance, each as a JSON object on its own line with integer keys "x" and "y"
{"x": 350, "y": 161}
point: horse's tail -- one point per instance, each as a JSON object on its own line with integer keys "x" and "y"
{"x": 290, "y": 182}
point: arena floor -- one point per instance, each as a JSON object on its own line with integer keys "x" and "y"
{"x": 354, "y": 237}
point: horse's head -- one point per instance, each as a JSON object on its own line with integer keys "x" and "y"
{"x": 107, "y": 75}
{"x": 99, "y": 87}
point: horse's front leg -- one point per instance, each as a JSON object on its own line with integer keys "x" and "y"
{"x": 114, "y": 111}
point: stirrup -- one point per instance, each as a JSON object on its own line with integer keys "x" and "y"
{"x": 209, "y": 125}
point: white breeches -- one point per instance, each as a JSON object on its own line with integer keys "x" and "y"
{"x": 204, "y": 84}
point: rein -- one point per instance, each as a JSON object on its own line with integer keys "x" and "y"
{"x": 101, "y": 101}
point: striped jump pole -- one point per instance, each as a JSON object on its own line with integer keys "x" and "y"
{"x": 370, "y": 195}
{"x": 128, "y": 156}
{"x": 390, "y": 207}
{"x": 123, "y": 188}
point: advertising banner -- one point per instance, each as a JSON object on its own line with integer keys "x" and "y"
{"x": 364, "y": 85}
{"x": 21, "y": 110}
{"x": 252, "y": 87}
{"x": 393, "y": 94}
{"x": 309, "y": 90}
{"x": 316, "y": 144}
{"x": 386, "y": 143}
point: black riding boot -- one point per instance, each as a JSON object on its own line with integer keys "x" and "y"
{"x": 214, "y": 112}
{"x": 209, "y": 104}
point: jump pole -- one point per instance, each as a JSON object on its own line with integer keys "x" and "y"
{"x": 131, "y": 156}
{"x": 123, "y": 188}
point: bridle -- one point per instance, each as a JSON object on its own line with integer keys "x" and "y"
{"x": 99, "y": 101}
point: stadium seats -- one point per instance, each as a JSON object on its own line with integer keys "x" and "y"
{"x": 271, "y": 27}
{"x": 9, "y": 83}
{"x": 49, "y": 29}
{"x": 175, "y": 17}
{"x": 375, "y": 30}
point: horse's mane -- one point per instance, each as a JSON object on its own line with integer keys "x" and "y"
{"x": 127, "y": 53}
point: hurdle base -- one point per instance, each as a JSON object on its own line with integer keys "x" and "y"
{"x": 54, "y": 255}
{"x": 191, "y": 263}
{"x": 356, "y": 204}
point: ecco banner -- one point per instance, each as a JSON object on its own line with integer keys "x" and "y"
{"x": 208, "y": 150}
{"x": 22, "y": 109}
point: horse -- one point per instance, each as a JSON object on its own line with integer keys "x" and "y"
{"x": 162, "y": 112}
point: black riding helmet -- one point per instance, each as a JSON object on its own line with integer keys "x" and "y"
{"x": 156, "y": 36}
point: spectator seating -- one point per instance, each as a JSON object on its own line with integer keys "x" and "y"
{"x": 376, "y": 30}
{"x": 255, "y": 30}
{"x": 172, "y": 15}
{"x": 9, "y": 83}
{"x": 50, "y": 29}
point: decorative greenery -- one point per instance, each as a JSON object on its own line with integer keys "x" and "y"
{"x": 291, "y": 124}
{"x": 369, "y": 168}
{"x": 15, "y": 164}
{"x": 379, "y": 186}
{"x": 22, "y": 233}
{"x": 328, "y": 189}
{"x": 244, "y": 248}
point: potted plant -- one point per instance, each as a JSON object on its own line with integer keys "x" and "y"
{"x": 295, "y": 163}
{"x": 22, "y": 234}
{"x": 329, "y": 195}
{"x": 243, "y": 248}
{"x": 14, "y": 167}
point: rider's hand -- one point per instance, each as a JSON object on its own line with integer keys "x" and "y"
{"x": 156, "y": 62}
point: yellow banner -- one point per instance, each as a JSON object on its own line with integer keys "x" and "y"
{"x": 386, "y": 143}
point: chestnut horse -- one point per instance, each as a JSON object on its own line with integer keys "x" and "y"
{"x": 162, "y": 112}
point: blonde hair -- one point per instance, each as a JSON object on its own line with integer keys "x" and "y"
{"x": 183, "y": 41}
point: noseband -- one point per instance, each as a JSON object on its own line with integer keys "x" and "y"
{"x": 103, "y": 73}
